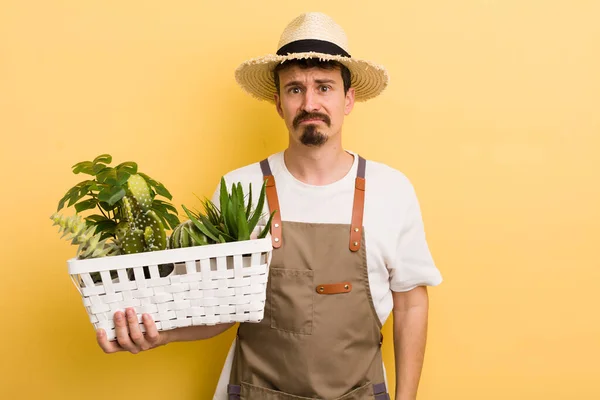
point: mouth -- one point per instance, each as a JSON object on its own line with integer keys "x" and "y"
{"x": 312, "y": 121}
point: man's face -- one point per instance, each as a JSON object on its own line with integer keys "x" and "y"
{"x": 312, "y": 103}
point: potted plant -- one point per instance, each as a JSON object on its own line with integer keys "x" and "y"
{"x": 129, "y": 219}
{"x": 212, "y": 268}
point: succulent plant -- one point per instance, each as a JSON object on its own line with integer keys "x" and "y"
{"x": 130, "y": 214}
{"x": 90, "y": 244}
{"x": 234, "y": 220}
{"x": 107, "y": 187}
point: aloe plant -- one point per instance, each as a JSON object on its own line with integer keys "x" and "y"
{"x": 233, "y": 221}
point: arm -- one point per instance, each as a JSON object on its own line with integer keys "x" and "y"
{"x": 410, "y": 333}
{"x": 131, "y": 338}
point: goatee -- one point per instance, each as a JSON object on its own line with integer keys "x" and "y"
{"x": 312, "y": 137}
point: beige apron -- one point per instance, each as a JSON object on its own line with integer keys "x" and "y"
{"x": 320, "y": 337}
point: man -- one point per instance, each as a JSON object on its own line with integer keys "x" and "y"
{"x": 349, "y": 244}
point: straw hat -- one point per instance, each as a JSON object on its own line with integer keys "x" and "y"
{"x": 311, "y": 35}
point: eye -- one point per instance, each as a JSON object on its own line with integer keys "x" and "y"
{"x": 294, "y": 90}
{"x": 325, "y": 88}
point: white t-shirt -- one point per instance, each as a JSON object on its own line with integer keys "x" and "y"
{"x": 398, "y": 257}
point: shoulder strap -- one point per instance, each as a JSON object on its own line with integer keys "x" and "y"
{"x": 356, "y": 226}
{"x": 271, "y": 192}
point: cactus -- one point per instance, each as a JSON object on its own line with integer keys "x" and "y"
{"x": 186, "y": 235}
{"x": 90, "y": 244}
{"x": 141, "y": 230}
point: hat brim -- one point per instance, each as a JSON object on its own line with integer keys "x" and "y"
{"x": 255, "y": 76}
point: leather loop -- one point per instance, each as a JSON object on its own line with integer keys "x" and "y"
{"x": 273, "y": 200}
{"x": 334, "y": 288}
{"x": 357, "y": 214}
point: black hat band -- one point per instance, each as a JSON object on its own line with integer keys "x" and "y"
{"x": 308, "y": 45}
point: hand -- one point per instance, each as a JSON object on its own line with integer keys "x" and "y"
{"x": 129, "y": 335}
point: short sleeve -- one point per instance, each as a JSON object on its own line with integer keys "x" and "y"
{"x": 413, "y": 265}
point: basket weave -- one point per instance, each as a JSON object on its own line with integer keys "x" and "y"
{"x": 211, "y": 284}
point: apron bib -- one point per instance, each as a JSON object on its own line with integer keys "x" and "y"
{"x": 320, "y": 337}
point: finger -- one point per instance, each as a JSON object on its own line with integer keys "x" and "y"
{"x": 122, "y": 332}
{"x": 135, "y": 333}
{"x": 106, "y": 345}
{"x": 152, "y": 335}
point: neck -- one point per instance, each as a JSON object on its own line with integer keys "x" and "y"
{"x": 318, "y": 166}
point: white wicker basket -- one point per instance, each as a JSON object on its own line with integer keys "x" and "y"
{"x": 209, "y": 284}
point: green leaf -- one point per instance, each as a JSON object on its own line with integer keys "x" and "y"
{"x": 91, "y": 186}
{"x": 128, "y": 166}
{"x": 67, "y": 196}
{"x": 230, "y": 219}
{"x": 85, "y": 166}
{"x": 160, "y": 189}
{"x": 106, "y": 172}
{"x": 212, "y": 212}
{"x": 86, "y": 205}
{"x": 99, "y": 168}
{"x": 103, "y": 158}
{"x": 112, "y": 196}
{"x": 172, "y": 220}
{"x": 215, "y": 231}
{"x": 161, "y": 204}
{"x": 259, "y": 206}
{"x": 249, "y": 207}
{"x": 122, "y": 177}
{"x": 107, "y": 207}
{"x": 199, "y": 225}
{"x": 150, "y": 181}
{"x": 106, "y": 235}
{"x": 240, "y": 194}
{"x": 95, "y": 218}
{"x": 107, "y": 226}
{"x": 167, "y": 218}
{"x": 223, "y": 196}
{"x": 76, "y": 196}
{"x": 242, "y": 224}
{"x": 267, "y": 228}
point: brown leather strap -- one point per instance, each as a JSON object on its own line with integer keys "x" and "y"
{"x": 358, "y": 208}
{"x": 334, "y": 288}
{"x": 273, "y": 200}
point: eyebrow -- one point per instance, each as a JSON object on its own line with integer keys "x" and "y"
{"x": 319, "y": 81}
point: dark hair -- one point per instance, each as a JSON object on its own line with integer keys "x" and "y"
{"x": 306, "y": 63}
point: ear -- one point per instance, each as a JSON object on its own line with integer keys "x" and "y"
{"x": 278, "y": 104}
{"x": 349, "y": 101}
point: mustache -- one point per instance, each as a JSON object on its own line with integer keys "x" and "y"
{"x": 304, "y": 115}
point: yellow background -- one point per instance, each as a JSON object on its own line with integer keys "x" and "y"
{"x": 493, "y": 112}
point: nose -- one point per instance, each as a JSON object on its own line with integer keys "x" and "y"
{"x": 311, "y": 102}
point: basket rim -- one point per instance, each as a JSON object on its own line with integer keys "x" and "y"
{"x": 78, "y": 266}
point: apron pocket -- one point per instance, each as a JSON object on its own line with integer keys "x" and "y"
{"x": 251, "y": 392}
{"x": 361, "y": 393}
{"x": 292, "y": 300}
